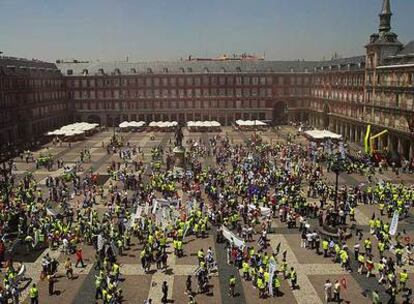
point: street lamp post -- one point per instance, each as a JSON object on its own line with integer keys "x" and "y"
{"x": 337, "y": 167}
{"x": 121, "y": 98}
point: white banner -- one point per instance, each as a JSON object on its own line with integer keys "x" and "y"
{"x": 154, "y": 205}
{"x": 394, "y": 223}
{"x": 263, "y": 210}
{"x": 51, "y": 212}
{"x": 100, "y": 242}
{"x": 272, "y": 269}
{"x": 135, "y": 216}
{"x": 232, "y": 238}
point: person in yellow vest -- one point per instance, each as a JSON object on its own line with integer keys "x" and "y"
{"x": 232, "y": 285}
{"x": 368, "y": 246}
{"x": 180, "y": 250}
{"x": 293, "y": 278}
{"x": 245, "y": 270}
{"x": 115, "y": 270}
{"x": 276, "y": 285}
{"x": 352, "y": 214}
{"x": 34, "y": 294}
{"x": 98, "y": 287}
{"x": 261, "y": 286}
{"x": 200, "y": 255}
{"x": 403, "y": 279}
{"x": 325, "y": 247}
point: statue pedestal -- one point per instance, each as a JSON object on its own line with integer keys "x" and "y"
{"x": 179, "y": 159}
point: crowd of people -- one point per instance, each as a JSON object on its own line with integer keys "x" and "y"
{"x": 232, "y": 191}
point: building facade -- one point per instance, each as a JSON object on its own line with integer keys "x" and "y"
{"x": 32, "y": 100}
{"x": 380, "y": 92}
{"x": 343, "y": 95}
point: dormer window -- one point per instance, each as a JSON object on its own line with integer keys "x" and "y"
{"x": 182, "y": 70}
{"x": 117, "y": 72}
{"x": 238, "y": 69}
{"x": 206, "y": 70}
{"x": 149, "y": 70}
{"x": 85, "y": 72}
{"x": 133, "y": 71}
{"x": 189, "y": 70}
{"x": 69, "y": 72}
{"x": 101, "y": 72}
{"x": 165, "y": 70}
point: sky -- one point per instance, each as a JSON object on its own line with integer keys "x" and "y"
{"x": 148, "y": 30}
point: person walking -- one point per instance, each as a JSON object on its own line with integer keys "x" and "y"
{"x": 79, "y": 258}
{"x": 188, "y": 283}
{"x": 164, "y": 290}
{"x": 293, "y": 278}
{"x": 337, "y": 292}
{"x": 232, "y": 285}
{"x": 51, "y": 283}
{"x": 68, "y": 268}
{"x": 34, "y": 294}
{"x": 328, "y": 291}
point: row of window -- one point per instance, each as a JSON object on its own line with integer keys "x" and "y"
{"x": 47, "y": 110}
{"x": 169, "y": 81}
{"x": 349, "y": 80}
{"x": 37, "y": 97}
{"x": 392, "y": 100}
{"x": 396, "y": 79}
{"x": 197, "y": 104}
{"x": 186, "y": 81}
{"x": 387, "y": 119}
{"x": 356, "y": 96}
{"x": 173, "y": 93}
{"x": 12, "y": 83}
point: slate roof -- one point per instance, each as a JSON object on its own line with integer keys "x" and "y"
{"x": 27, "y": 63}
{"x": 408, "y": 49}
{"x": 179, "y": 67}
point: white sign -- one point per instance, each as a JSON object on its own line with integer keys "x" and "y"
{"x": 394, "y": 223}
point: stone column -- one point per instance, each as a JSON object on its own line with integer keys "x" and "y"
{"x": 399, "y": 146}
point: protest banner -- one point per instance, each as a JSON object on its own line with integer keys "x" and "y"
{"x": 394, "y": 223}
{"x": 232, "y": 238}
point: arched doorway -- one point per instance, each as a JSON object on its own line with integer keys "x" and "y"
{"x": 280, "y": 113}
{"x": 94, "y": 119}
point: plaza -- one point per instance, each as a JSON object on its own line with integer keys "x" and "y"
{"x": 211, "y": 179}
{"x": 137, "y": 286}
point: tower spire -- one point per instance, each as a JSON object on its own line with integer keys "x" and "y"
{"x": 385, "y": 17}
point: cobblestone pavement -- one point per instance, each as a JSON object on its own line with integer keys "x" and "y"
{"x": 137, "y": 286}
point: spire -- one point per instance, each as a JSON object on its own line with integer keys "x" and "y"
{"x": 386, "y": 7}
{"x": 385, "y": 17}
